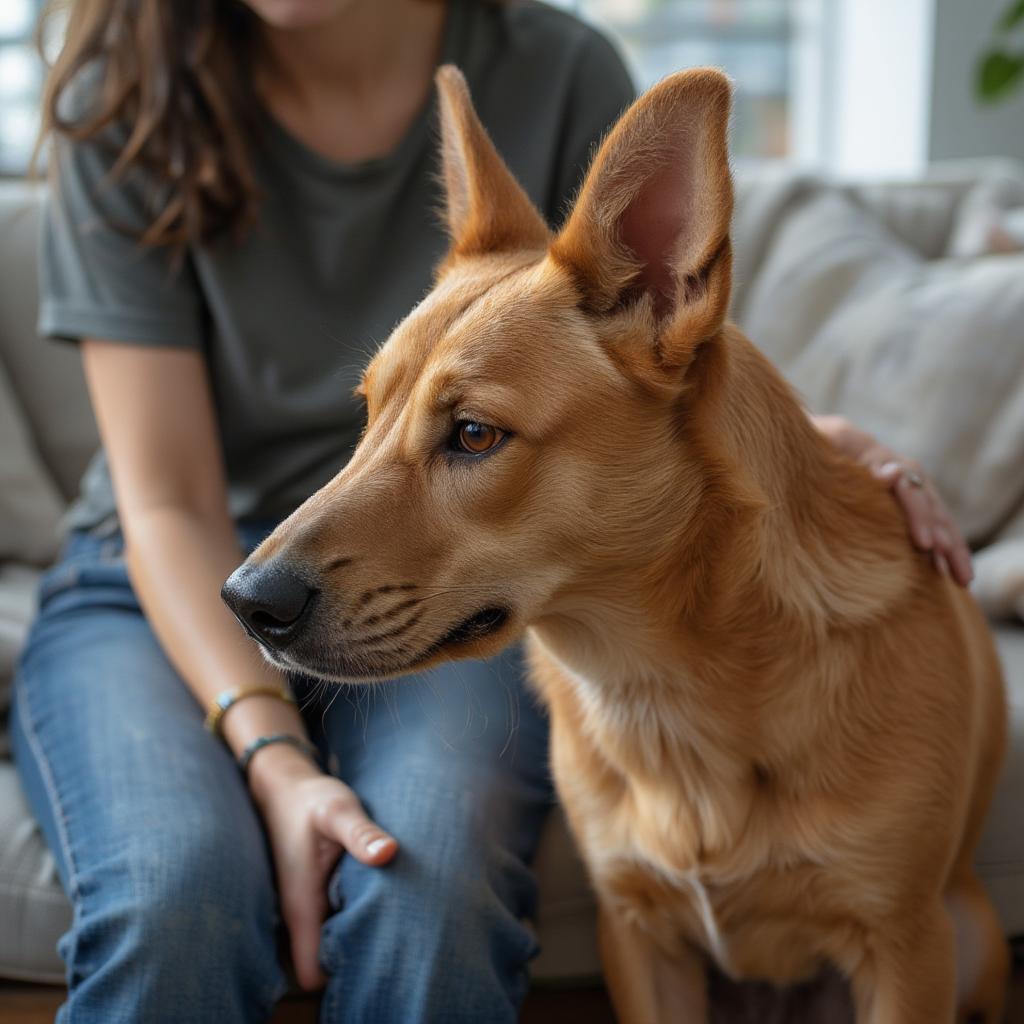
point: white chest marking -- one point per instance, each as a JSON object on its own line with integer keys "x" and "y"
{"x": 707, "y": 918}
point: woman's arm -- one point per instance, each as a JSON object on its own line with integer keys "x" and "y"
{"x": 156, "y": 418}
{"x": 930, "y": 525}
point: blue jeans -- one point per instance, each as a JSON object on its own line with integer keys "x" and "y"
{"x": 163, "y": 855}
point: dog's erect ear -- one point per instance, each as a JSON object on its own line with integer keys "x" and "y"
{"x": 487, "y": 210}
{"x": 653, "y": 215}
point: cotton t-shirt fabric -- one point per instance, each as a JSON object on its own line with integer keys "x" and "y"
{"x": 288, "y": 318}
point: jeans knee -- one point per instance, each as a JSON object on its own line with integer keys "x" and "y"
{"x": 430, "y": 937}
{"x": 188, "y": 926}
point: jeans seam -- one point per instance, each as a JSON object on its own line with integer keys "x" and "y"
{"x": 45, "y": 771}
{"x": 23, "y": 711}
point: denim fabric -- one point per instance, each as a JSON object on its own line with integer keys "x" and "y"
{"x": 163, "y": 856}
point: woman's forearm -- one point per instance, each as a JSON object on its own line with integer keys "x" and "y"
{"x": 178, "y": 559}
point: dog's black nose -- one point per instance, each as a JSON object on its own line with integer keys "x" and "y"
{"x": 272, "y": 603}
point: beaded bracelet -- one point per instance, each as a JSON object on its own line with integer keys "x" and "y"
{"x": 220, "y": 704}
{"x": 260, "y": 742}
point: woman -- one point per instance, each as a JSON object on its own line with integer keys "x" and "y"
{"x": 245, "y": 196}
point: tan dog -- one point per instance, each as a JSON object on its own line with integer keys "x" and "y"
{"x": 775, "y": 727}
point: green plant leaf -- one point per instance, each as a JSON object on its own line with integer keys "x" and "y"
{"x": 998, "y": 74}
{"x": 1011, "y": 17}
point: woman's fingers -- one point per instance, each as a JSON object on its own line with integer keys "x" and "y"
{"x": 929, "y": 522}
{"x": 885, "y": 468}
{"x": 304, "y": 932}
{"x": 343, "y": 819}
{"x": 960, "y": 562}
{"x": 956, "y": 556}
{"x": 303, "y": 907}
{"x": 917, "y": 505}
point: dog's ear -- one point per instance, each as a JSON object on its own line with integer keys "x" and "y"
{"x": 487, "y": 210}
{"x": 653, "y": 214}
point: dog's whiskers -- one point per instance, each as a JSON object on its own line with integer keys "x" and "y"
{"x": 467, "y": 589}
{"x": 363, "y": 642}
{"x": 391, "y": 613}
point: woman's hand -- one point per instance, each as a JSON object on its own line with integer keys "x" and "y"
{"x": 311, "y": 820}
{"x": 928, "y": 520}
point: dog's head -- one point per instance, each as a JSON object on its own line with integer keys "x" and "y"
{"x": 524, "y": 421}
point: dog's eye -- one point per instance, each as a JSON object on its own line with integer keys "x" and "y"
{"x": 476, "y": 438}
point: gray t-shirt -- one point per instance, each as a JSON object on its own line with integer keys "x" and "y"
{"x": 287, "y": 318}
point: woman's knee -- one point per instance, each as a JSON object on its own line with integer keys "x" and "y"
{"x": 438, "y": 934}
{"x": 181, "y": 917}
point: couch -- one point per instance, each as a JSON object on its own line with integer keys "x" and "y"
{"x": 802, "y": 303}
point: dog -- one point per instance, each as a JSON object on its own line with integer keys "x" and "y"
{"x": 775, "y": 728}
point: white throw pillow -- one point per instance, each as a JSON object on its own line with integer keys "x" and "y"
{"x": 927, "y": 355}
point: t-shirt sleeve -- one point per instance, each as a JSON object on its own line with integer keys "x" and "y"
{"x": 601, "y": 90}
{"x": 96, "y": 278}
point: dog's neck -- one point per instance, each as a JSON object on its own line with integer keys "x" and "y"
{"x": 789, "y": 547}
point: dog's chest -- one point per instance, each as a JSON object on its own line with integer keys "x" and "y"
{"x": 679, "y": 833}
{"x": 738, "y": 920}
{"x": 691, "y": 856}
{"x": 680, "y": 860}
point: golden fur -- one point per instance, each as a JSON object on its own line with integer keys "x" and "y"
{"x": 775, "y": 727}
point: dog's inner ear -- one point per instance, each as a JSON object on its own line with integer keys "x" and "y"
{"x": 487, "y": 210}
{"x": 653, "y": 215}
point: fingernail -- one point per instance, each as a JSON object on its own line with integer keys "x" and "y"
{"x": 888, "y": 468}
{"x": 376, "y": 846}
{"x": 924, "y": 537}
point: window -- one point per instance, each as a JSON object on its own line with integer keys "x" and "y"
{"x": 21, "y": 77}
{"x": 771, "y": 48}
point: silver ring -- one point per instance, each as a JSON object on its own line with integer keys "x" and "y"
{"x": 914, "y": 479}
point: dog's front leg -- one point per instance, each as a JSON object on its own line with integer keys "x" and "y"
{"x": 646, "y": 985}
{"x": 908, "y": 973}
{"x": 983, "y": 959}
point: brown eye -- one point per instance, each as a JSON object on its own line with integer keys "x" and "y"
{"x": 476, "y": 438}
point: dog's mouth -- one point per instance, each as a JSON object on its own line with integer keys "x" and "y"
{"x": 483, "y": 624}
{"x": 350, "y": 667}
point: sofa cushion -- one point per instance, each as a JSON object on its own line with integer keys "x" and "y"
{"x": 17, "y": 605}
{"x": 33, "y": 908}
{"x": 939, "y": 216}
{"x": 46, "y": 375}
{"x": 30, "y": 504}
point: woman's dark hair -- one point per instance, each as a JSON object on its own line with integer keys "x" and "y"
{"x": 176, "y": 76}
